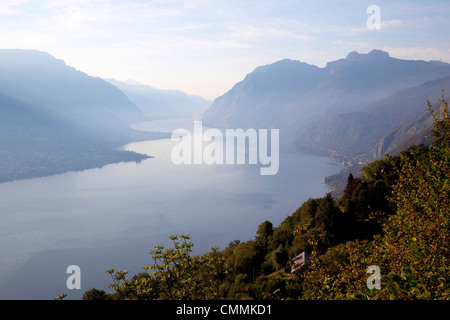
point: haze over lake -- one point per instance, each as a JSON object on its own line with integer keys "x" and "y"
{"x": 113, "y": 216}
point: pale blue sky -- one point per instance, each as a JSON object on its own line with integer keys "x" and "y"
{"x": 204, "y": 47}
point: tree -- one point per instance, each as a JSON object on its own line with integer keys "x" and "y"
{"x": 174, "y": 275}
{"x": 264, "y": 234}
{"x": 350, "y": 187}
{"x": 95, "y": 294}
{"x": 327, "y": 218}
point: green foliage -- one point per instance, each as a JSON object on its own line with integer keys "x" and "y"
{"x": 95, "y": 294}
{"x": 418, "y": 234}
{"x": 413, "y": 249}
{"x": 244, "y": 257}
{"x": 174, "y": 275}
{"x": 263, "y": 235}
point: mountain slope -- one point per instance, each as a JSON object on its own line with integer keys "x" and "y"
{"x": 295, "y": 97}
{"x": 55, "y": 119}
{"x": 413, "y": 132}
{"x": 258, "y": 100}
{"x": 359, "y": 131}
{"x": 23, "y": 127}
{"x": 42, "y": 81}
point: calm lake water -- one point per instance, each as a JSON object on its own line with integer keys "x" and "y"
{"x": 113, "y": 216}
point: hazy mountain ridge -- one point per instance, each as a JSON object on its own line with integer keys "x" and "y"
{"x": 54, "y": 118}
{"x": 359, "y": 132}
{"x": 257, "y": 100}
{"x": 159, "y": 103}
{"x": 329, "y": 108}
{"x": 42, "y": 81}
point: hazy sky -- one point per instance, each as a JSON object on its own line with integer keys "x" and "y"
{"x": 204, "y": 47}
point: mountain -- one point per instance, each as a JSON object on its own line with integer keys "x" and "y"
{"x": 259, "y": 100}
{"x": 159, "y": 104}
{"x": 55, "y": 119}
{"x": 25, "y": 127}
{"x": 296, "y": 97}
{"x": 359, "y": 132}
{"x": 41, "y": 81}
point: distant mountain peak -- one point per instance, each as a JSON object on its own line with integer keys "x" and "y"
{"x": 372, "y": 54}
{"x": 352, "y": 55}
{"x": 29, "y": 58}
{"x": 378, "y": 53}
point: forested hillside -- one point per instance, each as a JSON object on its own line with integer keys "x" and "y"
{"x": 395, "y": 217}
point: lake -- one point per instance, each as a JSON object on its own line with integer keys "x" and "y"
{"x": 111, "y": 217}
